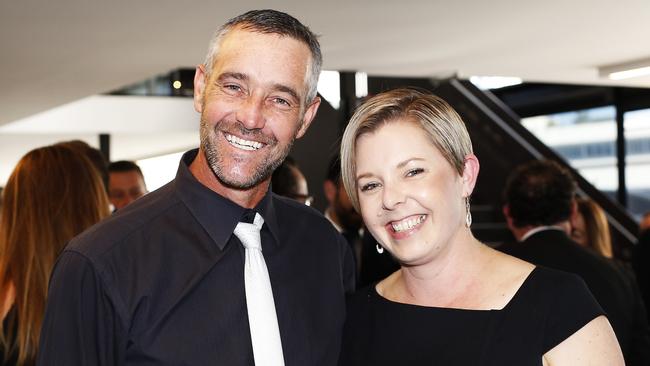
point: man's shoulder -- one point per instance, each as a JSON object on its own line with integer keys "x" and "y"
{"x": 289, "y": 209}
{"x": 300, "y": 216}
{"x": 140, "y": 216}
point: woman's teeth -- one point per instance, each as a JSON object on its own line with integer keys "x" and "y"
{"x": 407, "y": 224}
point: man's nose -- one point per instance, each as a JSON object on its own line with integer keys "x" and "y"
{"x": 251, "y": 113}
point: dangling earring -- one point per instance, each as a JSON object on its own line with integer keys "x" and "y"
{"x": 380, "y": 249}
{"x": 468, "y": 215}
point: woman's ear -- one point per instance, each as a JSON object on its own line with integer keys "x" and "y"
{"x": 470, "y": 174}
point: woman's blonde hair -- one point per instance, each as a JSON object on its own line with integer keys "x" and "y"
{"x": 52, "y": 195}
{"x": 444, "y": 127}
{"x": 596, "y": 227}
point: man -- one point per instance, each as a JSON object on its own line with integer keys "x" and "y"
{"x": 288, "y": 181}
{"x": 340, "y": 211}
{"x": 125, "y": 183}
{"x": 168, "y": 281}
{"x": 371, "y": 266}
{"x": 539, "y": 202}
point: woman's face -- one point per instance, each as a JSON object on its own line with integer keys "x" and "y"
{"x": 579, "y": 229}
{"x": 411, "y": 198}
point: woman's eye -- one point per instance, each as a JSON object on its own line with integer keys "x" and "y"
{"x": 368, "y": 187}
{"x": 414, "y": 172}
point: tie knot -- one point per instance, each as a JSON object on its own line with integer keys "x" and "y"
{"x": 249, "y": 234}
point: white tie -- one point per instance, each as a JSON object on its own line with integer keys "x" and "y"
{"x": 263, "y": 322}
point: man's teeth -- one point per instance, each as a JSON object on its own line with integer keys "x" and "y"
{"x": 243, "y": 144}
{"x": 407, "y": 224}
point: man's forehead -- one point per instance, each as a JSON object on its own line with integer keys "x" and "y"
{"x": 241, "y": 48}
{"x": 128, "y": 175}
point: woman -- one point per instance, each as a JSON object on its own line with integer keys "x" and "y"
{"x": 589, "y": 227}
{"x": 52, "y": 195}
{"x": 409, "y": 169}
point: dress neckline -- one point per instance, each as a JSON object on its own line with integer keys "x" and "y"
{"x": 372, "y": 292}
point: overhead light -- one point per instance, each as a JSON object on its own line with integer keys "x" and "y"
{"x": 494, "y": 82}
{"x": 177, "y": 84}
{"x": 626, "y": 70}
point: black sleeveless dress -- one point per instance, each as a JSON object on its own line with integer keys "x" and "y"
{"x": 548, "y": 308}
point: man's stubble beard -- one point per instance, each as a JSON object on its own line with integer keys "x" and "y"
{"x": 209, "y": 134}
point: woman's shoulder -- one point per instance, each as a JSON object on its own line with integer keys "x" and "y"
{"x": 561, "y": 300}
{"x": 555, "y": 286}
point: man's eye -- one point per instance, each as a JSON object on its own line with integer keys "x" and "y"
{"x": 232, "y": 87}
{"x": 414, "y": 172}
{"x": 282, "y": 102}
{"x": 369, "y": 187}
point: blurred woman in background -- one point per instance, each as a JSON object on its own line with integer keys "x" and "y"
{"x": 590, "y": 229}
{"x": 53, "y": 194}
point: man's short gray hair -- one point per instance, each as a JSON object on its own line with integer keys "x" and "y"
{"x": 272, "y": 22}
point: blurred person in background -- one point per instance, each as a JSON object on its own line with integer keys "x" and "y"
{"x": 645, "y": 222}
{"x": 288, "y": 181}
{"x": 589, "y": 227}
{"x": 95, "y": 156}
{"x": 125, "y": 183}
{"x": 539, "y": 202}
{"x": 53, "y": 194}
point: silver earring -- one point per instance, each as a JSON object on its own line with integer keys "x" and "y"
{"x": 468, "y": 215}
{"x": 380, "y": 249}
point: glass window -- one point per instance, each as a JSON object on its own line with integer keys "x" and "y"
{"x": 637, "y": 161}
{"x": 586, "y": 139}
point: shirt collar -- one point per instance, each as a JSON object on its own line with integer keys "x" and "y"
{"x": 534, "y": 231}
{"x": 328, "y": 216}
{"x": 218, "y": 215}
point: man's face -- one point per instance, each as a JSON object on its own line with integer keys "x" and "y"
{"x": 125, "y": 187}
{"x": 252, "y": 105}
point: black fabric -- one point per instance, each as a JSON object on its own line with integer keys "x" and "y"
{"x": 374, "y": 266}
{"x": 162, "y": 283}
{"x": 616, "y": 292}
{"x": 549, "y": 307}
{"x": 641, "y": 263}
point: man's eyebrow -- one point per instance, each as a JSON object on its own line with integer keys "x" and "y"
{"x": 288, "y": 90}
{"x": 232, "y": 75}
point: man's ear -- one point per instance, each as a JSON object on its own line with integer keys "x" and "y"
{"x": 199, "y": 87}
{"x": 470, "y": 174}
{"x": 506, "y": 213}
{"x": 330, "y": 189}
{"x": 308, "y": 116}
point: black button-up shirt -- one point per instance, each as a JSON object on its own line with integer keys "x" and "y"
{"x": 162, "y": 283}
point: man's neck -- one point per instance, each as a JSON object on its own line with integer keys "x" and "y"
{"x": 248, "y": 198}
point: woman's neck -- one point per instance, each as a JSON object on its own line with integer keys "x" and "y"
{"x": 452, "y": 279}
